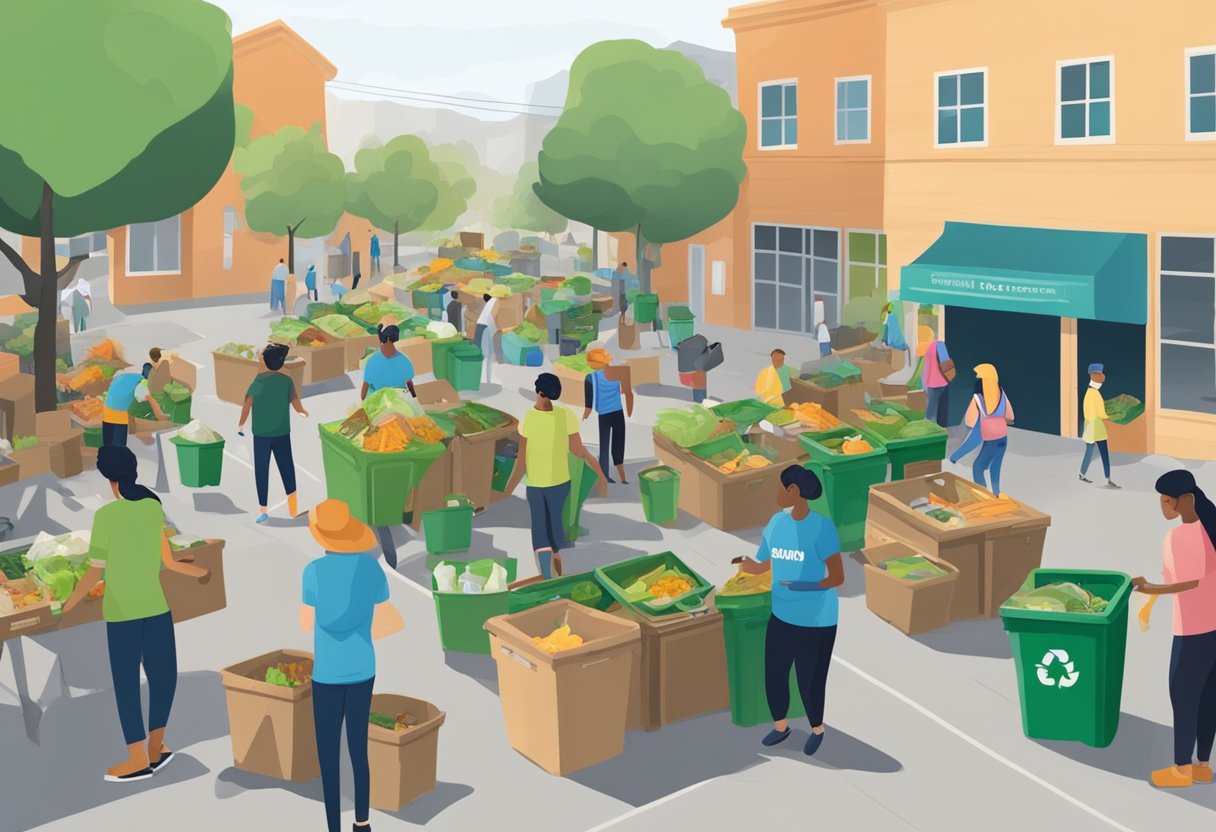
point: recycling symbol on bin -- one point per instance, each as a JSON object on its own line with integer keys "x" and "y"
{"x": 1055, "y": 669}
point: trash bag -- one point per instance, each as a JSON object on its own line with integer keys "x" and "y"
{"x": 689, "y": 351}
{"x": 441, "y": 329}
{"x": 711, "y": 358}
{"x": 198, "y": 433}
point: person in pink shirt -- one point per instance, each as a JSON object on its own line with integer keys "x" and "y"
{"x": 1189, "y": 568}
{"x": 936, "y": 375}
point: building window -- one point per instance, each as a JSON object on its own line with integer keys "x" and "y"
{"x": 155, "y": 247}
{"x": 717, "y": 279}
{"x": 779, "y": 115}
{"x": 791, "y": 266}
{"x": 962, "y": 112}
{"x": 1201, "y": 93}
{"x": 229, "y": 234}
{"x": 1188, "y": 323}
{"x": 1086, "y": 110}
{"x": 867, "y": 272}
{"x": 853, "y": 110}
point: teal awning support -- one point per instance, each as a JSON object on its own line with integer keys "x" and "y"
{"x": 1098, "y": 275}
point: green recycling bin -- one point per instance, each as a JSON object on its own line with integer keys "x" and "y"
{"x": 905, "y": 450}
{"x": 92, "y": 436}
{"x": 584, "y": 589}
{"x": 582, "y": 480}
{"x": 464, "y": 366}
{"x": 200, "y": 464}
{"x": 846, "y": 480}
{"x": 645, "y": 307}
{"x": 503, "y": 466}
{"x": 439, "y": 354}
{"x": 462, "y": 618}
{"x": 375, "y": 486}
{"x": 1070, "y": 664}
{"x": 660, "y": 488}
{"x": 678, "y": 331}
{"x": 448, "y": 529}
{"x": 744, "y": 628}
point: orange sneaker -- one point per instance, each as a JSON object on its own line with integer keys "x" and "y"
{"x": 1174, "y": 777}
{"x": 1201, "y": 773}
{"x": 293, "y": 507}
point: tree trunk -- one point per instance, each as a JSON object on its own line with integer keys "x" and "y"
{"x": 595, "y": 248}
{"x": 291, "y": 250}
{"x": 45, "y": 396}
{"x": 396, "y": 236}
{"x": 643, "y": 265}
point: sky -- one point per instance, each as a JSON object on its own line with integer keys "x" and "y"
{"x": 485, "y": 49}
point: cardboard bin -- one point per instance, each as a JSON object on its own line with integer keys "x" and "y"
{"x": 33, "y": 462}
{"x": 572, "y": 385}
{"x": 403, "y": 763}
{"x": 839, "y": 401}
{"x": 17, "y": 406}
{"x": 682, "y": 667}
{"x": 473, "y": 463}
{"x": 35, "y": 618}
{"x": 10, "y": 472}
{"x": 432, "y": 490}
{"x": 355, "y": 348}
{"x": 272, "y": 727}
{"x": 643, "y": 369}
{"x": 909, "y": 606}
{"x": 418, "y": 351}
{"x": 565, "y": 711}
{"x": 233, "y": 375}
{"x": 188, "y": 598}
{"x": 436, "y": 394}
{"x": 321, "y": 363}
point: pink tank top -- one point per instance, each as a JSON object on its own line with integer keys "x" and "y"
{"x": 933, "y": 376}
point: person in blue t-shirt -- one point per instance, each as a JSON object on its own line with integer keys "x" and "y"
{"x": 804, "y": 550}
{"x": 387, "y": 367}
{"x": 345, "y": 606}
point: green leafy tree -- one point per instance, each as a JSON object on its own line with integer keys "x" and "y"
{"x": 293, "y": 186}
{"x": 523, "y": 209}
{"x": 149, "y": 137}
{"x": 456, "y": 184}
{"x": 645, "y": 144}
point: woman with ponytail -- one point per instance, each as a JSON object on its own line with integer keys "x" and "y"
{"x": 1189, "y": 567}
{"x": 127, "y": 549}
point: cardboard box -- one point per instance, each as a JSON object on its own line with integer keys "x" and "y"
{"x": 17, "y": 406}
{"x": 473, "y": 240}
{"x": 1131, "y": 438}
{"x": 565, "y": 711}
{"x": 88, "y": 459}
{"x": 173, "y": 368}
{"x": 272, "y": 728}
{"x": 187, "y": 598}
{"x": 439, "y": 393}
{"x": 34, "y": 461}
{"x": 35, "y": 618}
{"x": 418, "y": 351}
{"x": 643, "y": 369}
{"x": 572, "y": 385}
{"x": 909, "y": 606}
{"x": 742, "y": 500}
{"x": 88, "y": 611}
{"x": 52, "y": 424}
{"x": 10, "y": 472}
{"x": 473, "y": 463}
{"x": 839, "y": 401}
{"x": 403, "y": 763}
{"x": 432, "y": 490}
{"x": 67, "y": 454}
{"x": 233, "y": 375}
{"x": 356, "y": 348}
{"x": 626, "y": 334}
{"x": 10, "y": 365}
{"x": 321, "y": 363}
{"x": 682, "y": 667}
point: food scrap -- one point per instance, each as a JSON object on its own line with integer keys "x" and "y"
{"x": 289, "y": 674}
{"x": 558, "y": 640}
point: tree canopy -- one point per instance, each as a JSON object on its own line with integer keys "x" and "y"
{"x": 522, "y": 209}
{"x": 456, "y": 163}
{"x": 394, "y": 186}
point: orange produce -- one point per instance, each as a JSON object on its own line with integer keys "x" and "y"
{"x": 107, "y": 350}
{"x": 87, "y": 376}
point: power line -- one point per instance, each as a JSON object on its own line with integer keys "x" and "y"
{"x": 454, "y": 97}
{"x": 448, "y": 103}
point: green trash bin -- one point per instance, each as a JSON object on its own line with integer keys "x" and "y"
{"x": 375, "y": 486}
{"x": 503, "y": 466}
{"x": 439, "y": 354}
{"x": 92, "y": 436}
{"x": 744, "y": 628}
{"x": 584, "y": 589}
{"x": 1070, "y": 664}
{"x": 678, "y": 331}
{"x": 448, "y": 529}
{"x": 846, "y": 480}
{"x": 617, "y": 579}
{"x": 645, "y": 307}
{"x": 462, "y": 618}
{"x": 464, "y": 366}
{"x": 745, "y": 413}
{"x": 200, "y": 464}
{"x": 660, "y": 487}
{"x": 582, "y": 480}
{"x": 904, "y": 451}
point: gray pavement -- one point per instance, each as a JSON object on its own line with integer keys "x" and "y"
{"x": 924, "y": 733}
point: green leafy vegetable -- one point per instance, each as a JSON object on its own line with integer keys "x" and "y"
{"x": 686, "y": 426}
{"x": 1059, "y": 597}
{"x": 20, "y": 443}
{"x": 274, "y": 676}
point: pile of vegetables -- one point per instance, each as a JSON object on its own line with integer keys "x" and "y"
{"x": 558, "y": 640}
{"x": 659, "y": 587}
{"x": 919, "y": 428}
{"x": 21, "y": 443}
{"x": 176, "y": 392}
{"x": 912, "y": 568}
{"x": 245, "y": 351}
{"x": 531, "y": 333}
{"x": 1124, "y": 408}
{"x": 295, "y": 332}
{"x": 387, "y": 422}
{"x": 811, "y": 415}
{"x": 374, "y": 313}
{"x": 847, "y": 445}
{"x": 887, "y": 425}
{"x": 579, "y": 284}
{"x": 87, "y": 410}
{"x": 750, "y": 458}
{"x": 401, "y": 722}
{"x": 339, "y": 326}
{"x": 517, "y": 283}
{"x": 289, "y": 674}
{"x": 691, "y": 425}
{"x": 1060, "y": 597}
{"x": 59, "y": 574}
{"x": 970, "y": 503}
{"x": 469, "y": 418}
{"x": 15, "y": 565}
{"x": 107, "y": 350}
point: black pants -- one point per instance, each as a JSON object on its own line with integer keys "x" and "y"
{"x": 612, "y": 436}
{"x": 150, "y": 642}
{"x": 331, "y": 706}
{"x": 114, "y": 434}
{"x": 313, "y": 294}
{"x": 1193, "y": 695}
{"x": 280, "y": 447}
{"x": 809, "y": 651}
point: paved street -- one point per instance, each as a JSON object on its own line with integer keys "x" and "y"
{"x": 923, "y": 733}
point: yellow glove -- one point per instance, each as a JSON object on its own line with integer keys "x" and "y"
{"x": 1145, "y": 612}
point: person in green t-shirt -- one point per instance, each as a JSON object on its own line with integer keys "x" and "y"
{"x": 127, "y": 549}
{"x": 270, "y": 397}
{"x": 548, "y": 435}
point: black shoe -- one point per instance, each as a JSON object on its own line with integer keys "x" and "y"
{"x": 774, "y": 737}
{"x": 357, "y": 828}
{"x": 162, "y": 761}
{"x": 610, "y": 480}
{"x": 143, "y": 774}
{"x": 1085, "y": 479}
{"x": 812, "y": 744}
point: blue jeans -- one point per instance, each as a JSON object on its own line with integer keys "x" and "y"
{"x": 114, "y": 434}
{"x": 1103, "y": 451}
{"x": 280, "y": 448}
{"x": 937, "y": 405}
{"x": 992, "y": 454}
{"x": 971, "y": 441}
{"x": 331, "y": 706}
{"x": 278, "y": 295}
{"x": 150, "y": 642}
{"x": 80, "y": 324}
{"x": 825, "y": 349}
{"x": 547, "y": 507}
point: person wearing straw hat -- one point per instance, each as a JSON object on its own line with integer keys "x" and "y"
{"x": 346, "y": 607}
{"x": 602, "y": 389}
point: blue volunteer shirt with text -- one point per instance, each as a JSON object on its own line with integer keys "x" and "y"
{"x": 799, "y": 550}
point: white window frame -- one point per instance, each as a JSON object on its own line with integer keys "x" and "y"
{"x": 751, "y": 247}
{"x": 229, "y": 236}
{"x": 1187, "y": 95}
{"x": 958, "y": 108}
{"x": 717, "y": 277}
{"x": 783, "y": 83}
{"x": 837, "y": 110}
{"x": 1161, "y": 342}
{"x": 1059, "y": 104}
{"x": 846, "y": 287}
{"x": 180, "y": 253}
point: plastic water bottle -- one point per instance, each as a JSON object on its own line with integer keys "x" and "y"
{"x": 471, "y": 584}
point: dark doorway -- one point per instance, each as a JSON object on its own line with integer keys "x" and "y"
{"x": 1120, "y": 347}
{"x": 1025, "y": 349}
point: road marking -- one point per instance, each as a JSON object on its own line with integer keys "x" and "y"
{"x": 654, "y": 804}
{"x": 308, "y": 474}
{"x": 412, "y": 584}
{"x": 972, "y": 741}
{"x": 231, "y": 455}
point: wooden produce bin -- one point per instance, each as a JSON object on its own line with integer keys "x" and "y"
{"x": 745, "y": 499}
{"x": 993, "y": 555}
{"x": 835, "y": 400}
{"x": 233, "y": 375}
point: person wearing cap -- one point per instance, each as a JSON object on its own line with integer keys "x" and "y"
{"x": 346, "y": 607}
{"x": 774, "y": 381}
{"x": 1094, "y": 433}
{"x": 386, "y": 367}
{"x": 603, "y": 388}
{"x": 126, "y": 389}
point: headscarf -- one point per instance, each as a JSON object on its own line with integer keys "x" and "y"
{"x": 992, "y": 386}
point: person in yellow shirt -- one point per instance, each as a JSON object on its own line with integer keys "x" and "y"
{"x": 774, "y": 381}
{"x": 1094, "y": 434}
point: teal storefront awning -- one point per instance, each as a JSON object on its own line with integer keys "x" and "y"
{"x": 1097, "y": 275}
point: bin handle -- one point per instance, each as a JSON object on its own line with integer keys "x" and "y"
{"x": 518, "y": 658}
{"x": 594, "y": 663}
{"x": 699, "y": 609}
